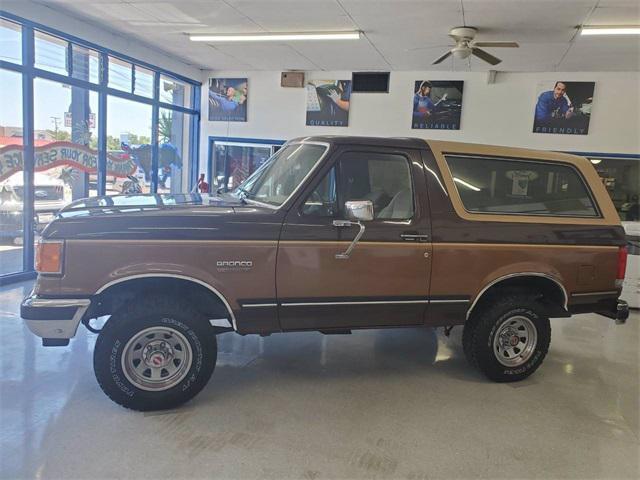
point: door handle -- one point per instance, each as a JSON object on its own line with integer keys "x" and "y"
{"x": 414, "y": 237}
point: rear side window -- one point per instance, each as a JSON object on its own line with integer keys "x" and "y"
{"x": 520, "y": 187}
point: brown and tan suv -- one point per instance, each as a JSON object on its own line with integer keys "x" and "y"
{"x": 333, "y": 234}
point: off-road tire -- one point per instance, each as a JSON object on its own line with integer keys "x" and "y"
{"x": 130, "y": 320}
{"x": 482, "y": 327}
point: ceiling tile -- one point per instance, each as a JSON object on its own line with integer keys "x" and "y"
{"x": 297, "y": 16}
{"x": 626, "y": 15}
{"x": 268, "y": 57}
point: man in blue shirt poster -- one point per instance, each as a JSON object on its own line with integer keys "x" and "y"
{"x": 554, "y": 104}
{"x": 565, "y": 110}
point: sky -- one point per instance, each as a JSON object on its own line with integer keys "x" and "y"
{"x": 52, "y": 99}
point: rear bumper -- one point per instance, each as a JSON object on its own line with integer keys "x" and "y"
{"x": 53, "y": 319}
{"x": 620, "y": 313}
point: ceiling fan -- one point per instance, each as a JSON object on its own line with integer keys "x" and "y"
{"x": 465, "y": 46}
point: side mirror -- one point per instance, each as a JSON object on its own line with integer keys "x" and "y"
{"x": 359, "y": 210}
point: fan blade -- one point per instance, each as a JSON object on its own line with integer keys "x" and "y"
{"x": 486, "y": 56}
{"x": 428, "y": 48}
{"x": 442, "y": 58}
{"x": 496, "y": 44}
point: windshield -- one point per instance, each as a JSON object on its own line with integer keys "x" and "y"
{"x": 279, "y": 176}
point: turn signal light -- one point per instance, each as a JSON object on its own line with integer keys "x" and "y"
{"x": 49, "y": 257}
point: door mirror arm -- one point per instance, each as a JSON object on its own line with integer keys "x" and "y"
{"x": 358, "y": 211}
{"x": 348, "y": 223}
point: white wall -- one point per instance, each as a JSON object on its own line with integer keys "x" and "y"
{"x": 74, "y": 26}
{"x": 500, "y": 113}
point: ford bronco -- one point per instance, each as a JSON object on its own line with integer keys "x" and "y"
{"x": 333, "y": 234}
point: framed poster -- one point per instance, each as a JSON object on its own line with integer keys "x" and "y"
{"x": 328, "y": 102}
{"x": 563, "y": 107}
{"x": 228, "y": 99}
{"x": 437, "y": 104}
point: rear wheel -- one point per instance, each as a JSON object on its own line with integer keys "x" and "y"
{"x": 508, "y": 339}
{"x": 155, "y": 354}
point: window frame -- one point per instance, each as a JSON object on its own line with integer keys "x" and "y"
{"x": 30, "y": 72}
{"x": 499, "y": 158}
{"x": 335, "y": 162}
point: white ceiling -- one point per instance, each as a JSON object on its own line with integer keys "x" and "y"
{"x": 399, "y": 34}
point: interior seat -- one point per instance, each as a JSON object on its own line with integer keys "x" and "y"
{"x": 400, "y": 206}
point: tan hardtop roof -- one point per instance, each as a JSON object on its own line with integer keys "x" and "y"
{"x": 443, "y": 146}
{"x": 502, "y": 151}
{"x": 401, "y": 142}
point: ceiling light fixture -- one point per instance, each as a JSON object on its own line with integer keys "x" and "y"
{"x": 611, "y": 30}
{"x": 271, "y": 37}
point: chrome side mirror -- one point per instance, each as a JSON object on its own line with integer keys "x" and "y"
{"x": 359, "y": 210}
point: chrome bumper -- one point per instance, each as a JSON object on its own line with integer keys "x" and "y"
{"x": 53, "y": 319}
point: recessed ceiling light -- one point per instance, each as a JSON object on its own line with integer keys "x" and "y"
{"x": 610, "y": 30}
{"x": 271, "y": 37}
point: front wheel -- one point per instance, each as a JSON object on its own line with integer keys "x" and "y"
{"x": 509, "y": 339}
{"x": 154, "y": 355}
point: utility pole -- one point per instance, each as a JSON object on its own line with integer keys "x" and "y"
{"x": 55, "y": 121}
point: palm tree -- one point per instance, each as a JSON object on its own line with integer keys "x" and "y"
{"x": 165, "y": 127}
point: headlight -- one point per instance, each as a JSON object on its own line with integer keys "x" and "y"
{"x": 49, "y": 256}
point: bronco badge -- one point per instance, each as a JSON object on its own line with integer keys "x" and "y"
{"x": 234, "y": 265}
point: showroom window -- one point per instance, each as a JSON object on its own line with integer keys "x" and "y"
{"x": 11, "y": 44}
{"x": 520, "y": 187}
{"x": 95, "y": 122}
{"x": 233, "y": 160}
{"x": 620, "y": 175}
{"x": 11, "y": 173}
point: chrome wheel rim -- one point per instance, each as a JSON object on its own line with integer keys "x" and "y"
{"x": 515, "y": 341}
{"x": 157, "y": 358}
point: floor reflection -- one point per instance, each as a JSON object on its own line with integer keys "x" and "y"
{"x": 336, "y": 404}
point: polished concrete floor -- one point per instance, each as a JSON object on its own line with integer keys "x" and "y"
{"x": 376, "y": 404}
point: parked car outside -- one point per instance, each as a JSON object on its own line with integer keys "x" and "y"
{"x": 50, "y": 195}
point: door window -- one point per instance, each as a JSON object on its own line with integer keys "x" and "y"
{"x": 383, "y": 178}
{"x": 322, "y": 202}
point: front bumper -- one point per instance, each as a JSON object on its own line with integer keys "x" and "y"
{"x": 55, "y": 320}
{"x": 620, "y": 313}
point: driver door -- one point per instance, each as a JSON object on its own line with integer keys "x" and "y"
{"x": 385, "y": 280}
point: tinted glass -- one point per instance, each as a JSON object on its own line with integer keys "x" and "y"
{"x": 490, "y": 185}
{"x": 385, "y": 179}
